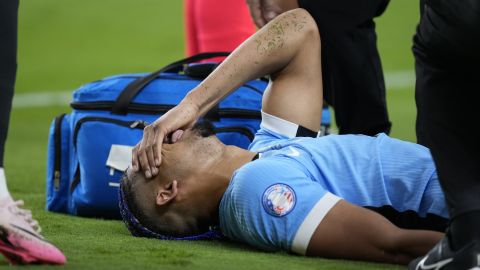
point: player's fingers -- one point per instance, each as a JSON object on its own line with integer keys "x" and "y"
{"x": 135, "y": 158}
{"x": 151, "y": 150}
{"x": 142, "y": 154}
{"x": 149, "y": 133}
{"x": 270, "y": 9}
{"x": 269, "y": 15}
{"x": 159, "y": 139}
{"x": 256, "y": 12}
{"x": 142, "y": 157}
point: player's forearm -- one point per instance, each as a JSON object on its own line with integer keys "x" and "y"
{"x": 352, "y": 232}
{"x": 267, "y": 51}
{"x": 416, "y": 243}
{"x": 402, "y": 245}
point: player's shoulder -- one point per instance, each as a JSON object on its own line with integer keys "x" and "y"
{"x": 267, "y": 201}
{"x": 255, "y": 172}
{"x": 255, "y": 177}
{"x": 268, "y": 167}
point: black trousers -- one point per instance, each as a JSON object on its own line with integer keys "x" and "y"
{"x": 352, "y": 72}
{"x": 447, "y": 62}
{"x": 8, "y": 65}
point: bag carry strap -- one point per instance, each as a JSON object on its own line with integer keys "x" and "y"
{"x": 132, "y": 89}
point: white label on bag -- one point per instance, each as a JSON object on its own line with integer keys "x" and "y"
{"x": 120, "y": 157}
{"x": 113, "y": 184}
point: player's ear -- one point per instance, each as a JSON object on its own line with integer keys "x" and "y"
{"x": 167, "y": 193}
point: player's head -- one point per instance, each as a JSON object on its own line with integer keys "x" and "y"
{"x": 174, "y": 204}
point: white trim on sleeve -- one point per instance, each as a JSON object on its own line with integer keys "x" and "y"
{"x": 281, "y": 126}
{"x": 311, "y": 222}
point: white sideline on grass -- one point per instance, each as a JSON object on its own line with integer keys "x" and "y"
{"x": 394, "y": 80}
{"x": 42, "y": 99}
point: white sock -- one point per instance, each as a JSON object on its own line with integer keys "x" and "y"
{"x": 3, "y": 185}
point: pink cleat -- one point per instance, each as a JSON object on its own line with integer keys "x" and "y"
{"x": 20, "y": 239}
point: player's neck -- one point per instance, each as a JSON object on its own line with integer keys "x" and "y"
{"x": 231, "y": 159}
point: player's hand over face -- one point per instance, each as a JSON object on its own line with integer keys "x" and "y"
{"x": 263, "y": 11}
{"x": 146, "y": 155}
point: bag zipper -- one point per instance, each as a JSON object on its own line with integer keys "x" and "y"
{"x": 161, "y": 109}
{"x": 133, "y": 107}
{"x": 245, "y": 131}
{"x": 57, "y": 141}
{"x": 138, "y": 124}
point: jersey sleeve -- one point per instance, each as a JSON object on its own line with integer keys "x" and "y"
{"x": 273, "y": 205}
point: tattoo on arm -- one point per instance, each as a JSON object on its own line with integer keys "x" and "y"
{"x": 274, "y": 37}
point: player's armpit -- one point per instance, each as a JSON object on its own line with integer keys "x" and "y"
{"x": 352, "y": 232}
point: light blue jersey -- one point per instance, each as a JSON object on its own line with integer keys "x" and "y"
{"x": 277, "y": 201}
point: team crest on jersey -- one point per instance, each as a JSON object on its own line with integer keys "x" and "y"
{"x": 279, "y": 200}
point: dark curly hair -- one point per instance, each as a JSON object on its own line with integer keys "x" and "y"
{"x": 140, "y": 224}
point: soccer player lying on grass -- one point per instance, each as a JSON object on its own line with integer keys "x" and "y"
{"x": 302, "y": 195}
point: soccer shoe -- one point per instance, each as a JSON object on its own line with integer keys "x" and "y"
{"x": 20, "y": 240}
{"x": 442, "y": 257}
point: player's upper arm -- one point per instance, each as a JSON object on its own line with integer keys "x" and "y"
{"x": 296, "y": 91}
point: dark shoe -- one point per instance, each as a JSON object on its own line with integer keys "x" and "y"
{"x": 442, "y": 257}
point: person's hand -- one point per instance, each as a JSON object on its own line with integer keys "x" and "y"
{"x": 263, "y": 11}
{"x": 146, "y": 155}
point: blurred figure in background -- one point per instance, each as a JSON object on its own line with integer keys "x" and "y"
{"x": 446, "y": 48}
{"x": 216, "y": 25}
{"x": 20, "y": 239}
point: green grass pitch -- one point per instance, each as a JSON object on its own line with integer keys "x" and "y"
{"x": 63, "y": 44}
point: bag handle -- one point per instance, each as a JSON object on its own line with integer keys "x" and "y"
{"x": 133, "y": 88}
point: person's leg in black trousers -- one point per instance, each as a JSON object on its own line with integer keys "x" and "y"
{"x": 352, "y": 73}
{"x": 447, "y": 54}
{"x": 8, "y": 68}
{"x": 20, "y": 241}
